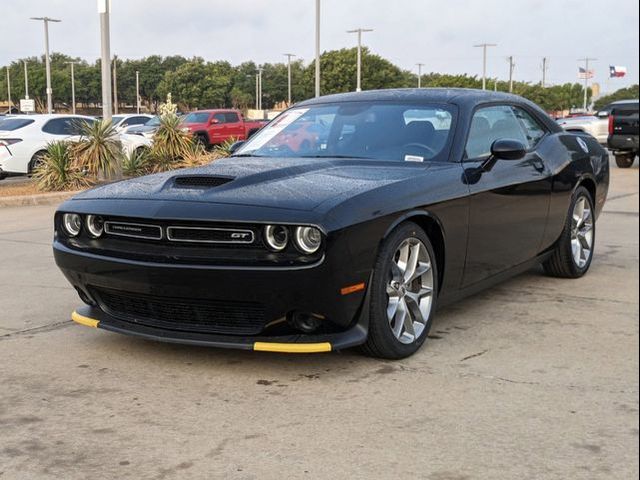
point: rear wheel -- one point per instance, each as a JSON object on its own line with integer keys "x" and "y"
{"x": 574, "y": 251}
{"x": 36, "y": 161}
{"x": 625, "y": 161}
{"x": 403, "y": 294}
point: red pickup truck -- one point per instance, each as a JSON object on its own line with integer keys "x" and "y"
{"x": 213, "y": 127}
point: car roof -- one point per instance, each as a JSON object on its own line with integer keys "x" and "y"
{"x": 40, "y": 118}
{"x": 419, "y": 95}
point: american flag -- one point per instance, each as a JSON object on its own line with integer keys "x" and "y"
{"x": 583, "y": 73}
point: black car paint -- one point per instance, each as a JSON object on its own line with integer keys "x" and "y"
{"x": 485, "y": 225}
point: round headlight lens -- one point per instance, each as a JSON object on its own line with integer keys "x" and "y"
{"x": 72, "y": 223}
{"x": 308, "y": 239}
{"x": 95, "y": 225}
{"x": 276, "y": 237}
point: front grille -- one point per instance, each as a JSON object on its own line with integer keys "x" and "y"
{"x": 133, "y": 230}
{"x": 201, "y": 181}
{"x": 181, "y": 314}
{"x": 209, "y": 235}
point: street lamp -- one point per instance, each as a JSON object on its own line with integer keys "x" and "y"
{"x": 420, "y": 65}
{"x": 46, "y": 21}
{"x": 359, "y": 31}
{"x": 484, "y": 61}
{"x": 289, "y": 56}
{"x": 317, "y": 48}
{"x": 73, "y": 88}
{"x": 104, "y": 6}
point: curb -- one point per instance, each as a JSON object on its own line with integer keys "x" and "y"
{"x": 39, "y": 199}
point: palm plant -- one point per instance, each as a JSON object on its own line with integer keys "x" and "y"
{"x": 224, "y": 149}
{"x": 135, "y": 163}
{"x": 195, "y": 156}
{"x": 56, "y": 171}
{"x": 170, "y": 139}
{"x": 99, "y": 149}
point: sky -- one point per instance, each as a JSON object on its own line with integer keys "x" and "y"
{"x": 440, "y": 34}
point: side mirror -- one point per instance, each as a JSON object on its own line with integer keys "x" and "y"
{"x": 602, "y": 114}
{"x": 235, "y": 146}
{"x": 507, "y": 149}
{"x": 214, "y": 121}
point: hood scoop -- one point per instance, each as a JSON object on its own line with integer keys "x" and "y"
{"x": 200, "y": 181}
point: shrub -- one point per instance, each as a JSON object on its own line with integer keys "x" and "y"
{"x": 99, "y": 149}
{"x": 135, "y": 163}
{"x": 170, "y": 145}
{"x": 57, "y": 171}
{"x": 224, "y": 149}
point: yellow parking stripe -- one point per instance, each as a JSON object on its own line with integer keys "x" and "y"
{"x": 82, "y": 320}
{"x": 292, "y": 347}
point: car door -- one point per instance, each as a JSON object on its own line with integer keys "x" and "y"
{"x": 508, "y": 202}
{"x": 217, "y": 128}
{"x": 235, "y": 127}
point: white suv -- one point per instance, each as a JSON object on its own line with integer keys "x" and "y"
{"x": 122, "y": 122}
{"x": 24, "y": 139}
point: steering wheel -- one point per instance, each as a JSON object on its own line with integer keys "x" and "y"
{"x": 430, "y": 150}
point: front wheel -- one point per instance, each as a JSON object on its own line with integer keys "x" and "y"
{"x": 574, "y": 251}
{"x": 403, "y": 294}
{"x": 625, "y": 161}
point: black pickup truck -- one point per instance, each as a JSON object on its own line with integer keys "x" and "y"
{"x": 623, "y": 133}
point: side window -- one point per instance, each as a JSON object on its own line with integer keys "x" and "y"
{"x": 533, "y": 130}
{"x": 490, "y": 124}
{"x": 231, "y": 117}
{"x": 55, "y": 126}
{"x": 138, "y": 120}
{"x": 220, "y": 117}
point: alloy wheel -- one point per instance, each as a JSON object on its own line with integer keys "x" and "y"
{"x": 409, "y": 290}
{"x": 582, "y": 232}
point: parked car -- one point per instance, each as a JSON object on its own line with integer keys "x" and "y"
{"x": 623, "y": 133}
{"x": 213, "y": 127}
{"x": 122, "y": 122}
{"x": 147, "y": 130}
{"x": 24, "y": 139}
{"x": 414, "y": 199}
{"x": 595, "y": 125}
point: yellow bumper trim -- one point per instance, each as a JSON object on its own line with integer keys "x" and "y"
{"x": 82, "y": 320}
{"x": 292, "y": 347}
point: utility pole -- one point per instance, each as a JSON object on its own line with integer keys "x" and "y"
{"x": 105, "y": 43}
{"x": 545, "y": 67}
{"x": 511, "y": 67}
{"x": 115, "y": 84}
{"x": 137, "y": 92}
{"x": 586, "y": 61}
{"x": 257, "y": 91}
{"x": 260, "y": 69}
{"x": 46, "y": 21}
{"x": 26, "y": 81}
{"x": 484, "y": 61}
{"x": 73, "y": 88}
{"x": 317, "y": 48}
{"x": 359, "y": 31}
{"x": 289, "y": 56}
{"x": 9, "y": 90}
{"x": 420, "y": 65}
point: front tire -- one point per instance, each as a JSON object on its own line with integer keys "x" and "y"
{"x": 625, "y": 161}
{"x": 404, "y": 290}
{"x": 573, "y": 253}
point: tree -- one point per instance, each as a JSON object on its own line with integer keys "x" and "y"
{"x": 629, "y": 93}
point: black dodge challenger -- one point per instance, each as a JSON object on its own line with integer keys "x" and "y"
{"x": 346, "y": 221}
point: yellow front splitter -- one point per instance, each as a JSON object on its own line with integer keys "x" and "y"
{"x": 257, "y": 346}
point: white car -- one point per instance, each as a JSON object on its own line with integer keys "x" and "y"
{"x": 135, "y": 143}
{"x": 122, "y": 122}
{"x": 24, "y": 139}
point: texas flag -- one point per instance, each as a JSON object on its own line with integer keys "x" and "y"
{"x": 617, "y": 71}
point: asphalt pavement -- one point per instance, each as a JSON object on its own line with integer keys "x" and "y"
{"x": 534, "y": 379}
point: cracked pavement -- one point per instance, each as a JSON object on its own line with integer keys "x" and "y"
{"x": 534, "y": 379}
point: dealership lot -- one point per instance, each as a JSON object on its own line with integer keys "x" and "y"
{"x": 537, "y": 378}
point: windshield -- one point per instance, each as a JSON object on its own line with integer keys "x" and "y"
{"x": 11, "y": 124}
{"x": 116, "y": 119}
{"x": 382, "y": 131}
{"x": 196, "y": 117}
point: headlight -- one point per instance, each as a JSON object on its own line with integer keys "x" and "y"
{"x": 276, "y": 237}
{"x": 95, "y": 225}
{"x": 72, "y": 223}
{"x": 308, "y": 239}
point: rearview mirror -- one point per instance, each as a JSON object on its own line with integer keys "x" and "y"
{"x": 507, "y": 149}
{"x": 235, "y": 146}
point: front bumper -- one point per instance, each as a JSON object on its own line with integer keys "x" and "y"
{"x": 356, "y": 335}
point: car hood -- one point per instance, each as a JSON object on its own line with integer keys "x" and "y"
{"x": 288, "y": 183}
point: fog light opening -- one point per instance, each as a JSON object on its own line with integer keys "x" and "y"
{"x": 84, "y": 297}
{"x": 306, "y": 322}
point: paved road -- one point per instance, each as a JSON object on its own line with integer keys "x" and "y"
{"x": 535, "y": 379}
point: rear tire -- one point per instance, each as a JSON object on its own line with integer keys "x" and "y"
{"x": 573, "y": 253}
{"x": 625, "y": 161}
{"x": 402, "y": 300}
{"x": 36, "y": 160}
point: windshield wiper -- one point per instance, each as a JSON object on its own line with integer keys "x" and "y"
{"x": 336, "y": 156}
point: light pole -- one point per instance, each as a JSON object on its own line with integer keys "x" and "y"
{"x": 9, "y": 90}
{"x": 511, "y": 67}
{"x": 545, "y": 67}
{"x": 420, "y": 65}
{"x": 46, "y": 21}
{"x": 115, "y": 84}
{"x": 317, "y": 48}
{"x": 484, "y": 61}
{"x": 105, "y": 63}
{"x": 260, "y": 69}
{"x": 73, "y": 88}
{"x": 26, "y": 81}
{"x": 359, "y": 31}
{"x": 586, "y": 61}
{"x": 289, "y": 56}
{"x": 137, "y": 92}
